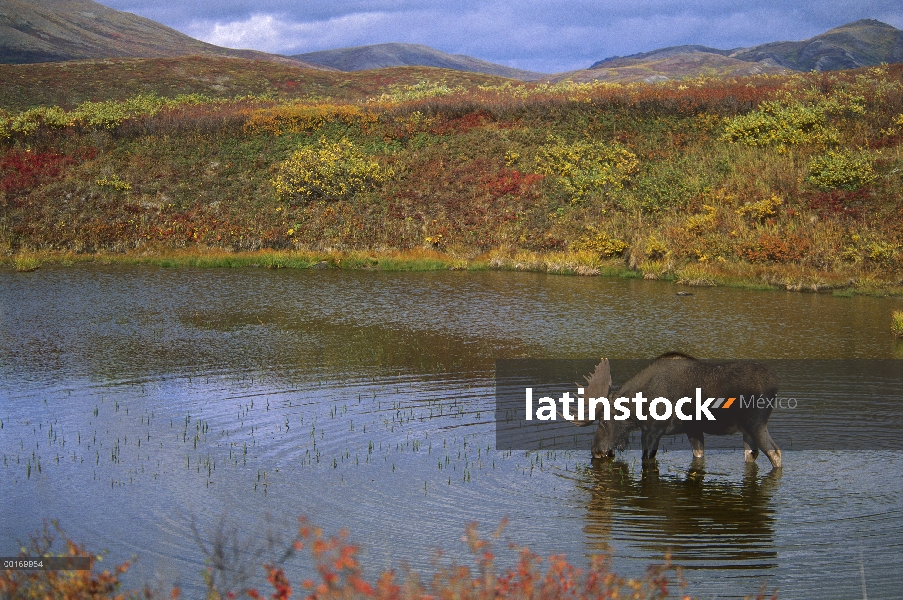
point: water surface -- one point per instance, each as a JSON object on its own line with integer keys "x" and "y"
{"x": 141, "y": 405}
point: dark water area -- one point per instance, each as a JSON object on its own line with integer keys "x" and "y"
{"x": 152, "y": 410}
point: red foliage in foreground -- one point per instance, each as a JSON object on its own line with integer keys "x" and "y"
{"x": 61, "y": 584}
{"x": 340, "y": 577}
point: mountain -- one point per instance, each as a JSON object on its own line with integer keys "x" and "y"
{"x": 34, "y": 31}
{"x": 378, "y": 56}
{"x": 859, "y": 44}
{"x": 661, "y": 53}
{"x": 667, "y": 66}
{"x": 862, "y": 43}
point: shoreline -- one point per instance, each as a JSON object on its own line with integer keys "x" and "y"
{"x": 694, "y": 274}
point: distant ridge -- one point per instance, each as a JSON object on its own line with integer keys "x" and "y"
{"x": 33, "y": 31}
{"x": 378, "y": 56}
{"x": 661, "y": 53}
{"x": 863, "y": 43}
{"x": 667, "y": 66}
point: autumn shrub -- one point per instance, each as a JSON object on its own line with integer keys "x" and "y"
{"x": 775, "y": 247}
{"x": 585, "y": 167}
{"x": 598, "y": 242}
{"x": 108, "y": 114}
{"x": 114, "y": 182}
{"x": 63, "y": 584}
{"x": 846, "y": 169}
{"x": 701, "y": 235}
{"x": 760, "y": 210}
{"x": 337, "y": 574}
{"x": 22, "y": 170}
{"x": 708, "y": 165}
{"x": 340, "y": 576}
{"x": 660, "y": 187}
{"x": 781, "y": 124}
{"x": 654, "y": 247}
{"x": 330, "y": 171}
{"x": 870, "y": 247}
{"x": 839, "y": 203}
{"x": 509, "y": 182}
{"x": 298, "y": 117}
{"x": 417, "y": 91}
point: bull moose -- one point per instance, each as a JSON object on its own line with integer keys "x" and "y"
{"x": 675, "y": 375}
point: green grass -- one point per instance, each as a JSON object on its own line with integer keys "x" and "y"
{"x": 896, "y": 324}
{"x": 553, "y": 264}
{"x": 25, "y": 262}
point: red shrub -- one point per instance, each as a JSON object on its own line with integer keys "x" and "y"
{"x": 463, "y": 123}
{"x": 24, "y": 170}
{"x": 776, "y": 248}
{"x": 840, "y": 203}
{"x": 508, "y": 181}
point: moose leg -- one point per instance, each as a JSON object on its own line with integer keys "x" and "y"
{"x": 750, "y": 449}
{"x": 763, "y": 440}
{"x": 650, "y": 441}
{"x": 697, "y": 443}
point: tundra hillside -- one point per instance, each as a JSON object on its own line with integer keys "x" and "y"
{"x": 787, "y": 180}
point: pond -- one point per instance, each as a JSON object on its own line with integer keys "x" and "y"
{"x": 155, "y": 411}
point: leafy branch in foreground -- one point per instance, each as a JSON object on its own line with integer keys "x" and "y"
{"x": 338, "y": 575}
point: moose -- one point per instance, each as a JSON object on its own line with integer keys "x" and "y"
{"x": 675, "y": 375}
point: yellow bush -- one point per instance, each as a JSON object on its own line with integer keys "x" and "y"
{"x": 114, "y": 182}
{"x": 331, "y": 171}
{"x": 297, "y": 117}
{"x": 762, "y": 209}
{"x": 702, "y": 221}
{"x": 586, "y": 166}
{"x": 781, "y": 124}
{"x": 846, "y": 170}
{"x": 849, "y": 170}
{"x": 98, "y": 115}
{"x": 655, "y": 248}
{"x": 599, "y": 243}
{"x": 871, "y": 247}
{"x": 418, "y": 91}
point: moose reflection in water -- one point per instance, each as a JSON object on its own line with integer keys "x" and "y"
{"x": 703, "y": 524}
{"x": 676, "y": 375}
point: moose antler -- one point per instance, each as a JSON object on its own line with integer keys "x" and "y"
{"x": 597, "y": 386}
{"x": 599, "y": 383}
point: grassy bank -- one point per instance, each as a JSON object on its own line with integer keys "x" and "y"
{"x": 761, "y": 277}
{"x": 794, "y": 182}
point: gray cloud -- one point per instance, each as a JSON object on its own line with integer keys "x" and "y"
{"x": 539, "y": 35}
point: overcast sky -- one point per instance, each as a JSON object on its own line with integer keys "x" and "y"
{"x": 538, "y": 35}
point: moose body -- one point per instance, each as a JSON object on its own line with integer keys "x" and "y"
{"x": 675, "y": 376}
